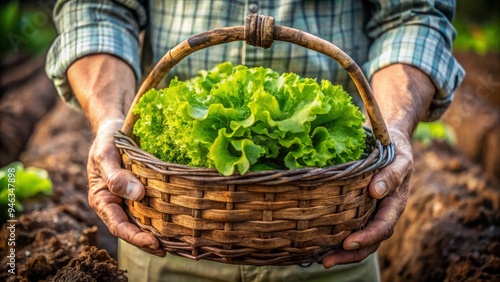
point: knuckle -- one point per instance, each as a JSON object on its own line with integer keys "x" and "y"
{"x": 94, "y": 202}
{"x": 409, "y": 164}
{"x": 394, "y": 178}
{"x": 99, "y": 155}
{"x": 114, "y": 183}
{"x": 400, "y": 174}
{"x": 102, "y": 152}
{"x": 383, "y": 230}
{"x": 357, "y": 257}
{"x": 388, "y": 232}
{"x": 124, "y": 235}
{"x": 112, "y": 226}
{"x": 113, "y": 230}
{"x": 386, "y": 229}
{"x": 410, "y": 172}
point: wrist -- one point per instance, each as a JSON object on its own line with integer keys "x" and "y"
{"x": 100, "y": 119}
{"x": 109, "y": 126}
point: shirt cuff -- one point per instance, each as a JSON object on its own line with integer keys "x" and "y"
{"x": 87, "y": 38}
{"x": 425, "y": 49}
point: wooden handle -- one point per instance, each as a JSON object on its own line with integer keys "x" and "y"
{"x": 260, "y": 31}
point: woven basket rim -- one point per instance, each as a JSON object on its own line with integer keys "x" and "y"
{"x": 379, "y": 157}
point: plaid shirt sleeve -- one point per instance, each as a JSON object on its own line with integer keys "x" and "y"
{"x": 418, "y": 33}
{"x": 89, "y": 27}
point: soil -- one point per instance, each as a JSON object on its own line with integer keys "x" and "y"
{"x": 46, "y": 240}
{"x": 475, "y": 112}
{"x": 92, "y": 265}
{"x": 450, "y": 230}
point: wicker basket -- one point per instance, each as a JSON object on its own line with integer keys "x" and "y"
{"x": 261, "y": 218}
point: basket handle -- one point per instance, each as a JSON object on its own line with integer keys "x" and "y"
{"x": 260, "y": 31}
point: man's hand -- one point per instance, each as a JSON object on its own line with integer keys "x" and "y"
{"x": 104, "y": 86}
{"x": 109, "y": 184}
{"x": 403, "y": 94}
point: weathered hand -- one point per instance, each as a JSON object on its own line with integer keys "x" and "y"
{"x": 390, "y": 185}
{"x": 109, "y": 184}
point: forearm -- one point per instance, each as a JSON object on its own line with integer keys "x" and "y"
{"x": 404, "y": 94}
{"x": 104, "y": 86}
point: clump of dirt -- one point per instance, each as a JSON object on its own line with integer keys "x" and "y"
{"x": 54, "y": 244}
{"x": 93, "y": 265}
{"x": 45, "y": 241}
{"x": 450, "y": 230}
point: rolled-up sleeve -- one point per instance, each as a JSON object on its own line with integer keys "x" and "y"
{"x": 91, "y": 27}
{"x": 417, "y": 33}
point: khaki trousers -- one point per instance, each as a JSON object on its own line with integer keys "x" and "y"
{"x": 143, "y": 267}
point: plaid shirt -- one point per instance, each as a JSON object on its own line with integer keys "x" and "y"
{"x": 374, "y": 33}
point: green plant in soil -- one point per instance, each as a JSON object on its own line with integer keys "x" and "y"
{"x": 427, "y": 132}
{"x": 18, "y": 183}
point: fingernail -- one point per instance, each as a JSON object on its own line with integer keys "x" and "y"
{"x": 133, "y": 190}
{"x": 353, "y": 246}
{"x": 380, "y": 188}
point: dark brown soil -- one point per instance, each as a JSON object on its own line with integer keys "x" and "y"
{"x": 93, "y": 265}
{"x": 45, "y": 241}
{"x": 450, "y": 230}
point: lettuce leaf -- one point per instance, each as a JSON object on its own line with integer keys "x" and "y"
{"x": 24, "y": 183}
{"x": 240, "y": 119}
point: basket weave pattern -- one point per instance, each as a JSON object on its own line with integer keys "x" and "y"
{"x": 260, "y": 218}
{"x": 275, "y": 217}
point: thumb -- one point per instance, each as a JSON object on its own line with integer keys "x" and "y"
{"x": 119, "y": 181}
{"x": 122, "y": 182}
{"x": 395, "y": 174}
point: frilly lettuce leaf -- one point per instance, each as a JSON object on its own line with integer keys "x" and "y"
{"x": 240, "y": 119}
{"x": 24, "y": 183}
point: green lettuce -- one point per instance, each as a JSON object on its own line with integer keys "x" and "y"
{"x": 248, "y": 119}
{"x": 18, "y": 183}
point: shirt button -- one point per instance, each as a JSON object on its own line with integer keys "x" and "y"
{"x": 253, "y": 8}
